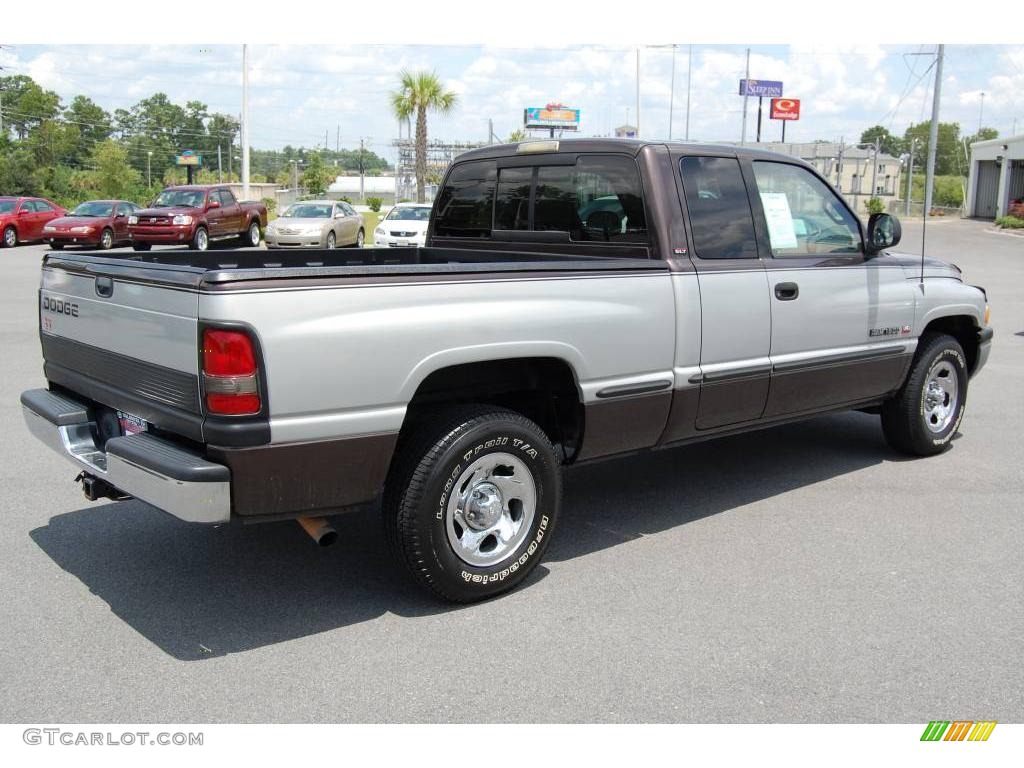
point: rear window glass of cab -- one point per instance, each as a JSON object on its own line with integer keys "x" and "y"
{"x": 598, "y": 199}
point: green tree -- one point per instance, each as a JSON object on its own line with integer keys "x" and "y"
{"x": 52, "y": 142}
{"x": 113, "y": 176}
{"x": 315, "y": 177}
{"x": 887, "y": 143}
{"x": 419, "y": 93}
{"x": 946, "y": 152}
{"x": 26, "y": 105}
{"x": 17, "y": 169}
{"x": 93, "y": 123}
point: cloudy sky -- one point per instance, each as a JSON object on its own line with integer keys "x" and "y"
{"x": 299, "y": 92}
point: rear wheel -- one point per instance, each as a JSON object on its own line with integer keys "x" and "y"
{"x": 471, "y": 502}
{"x": 922, "y": 418}
{"x": 251, "y": 236}
{"x": 332, "y": 241}
{"x": 142, "y": 246}
{"x": 57, "y": 246}
{"x": 200, "y": 240}
{"x": 360, "y": 238}
{"x": 10, "y": 237}
{"x": 106, "y": 240}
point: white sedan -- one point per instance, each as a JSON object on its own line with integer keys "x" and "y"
{"x": 405, "y": 224}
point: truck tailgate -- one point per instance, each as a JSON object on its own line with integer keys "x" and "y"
{"x": 123, "y": 339}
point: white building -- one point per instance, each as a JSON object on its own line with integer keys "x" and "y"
{"x": 996, "y": 177}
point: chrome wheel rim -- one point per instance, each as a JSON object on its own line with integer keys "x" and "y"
{"x": 10, "y": 238}
{"x": 107, "y": 240}
{"x": 491, "y": 509}
{"x": 940, "y": 396}
{"x": 254, "y": 234}
{"x": 201, "y": 240}
{"x": 331, "y": 240}
{"x": 360, "y": 237}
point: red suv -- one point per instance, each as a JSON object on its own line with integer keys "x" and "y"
{"x": 23, "y": 218}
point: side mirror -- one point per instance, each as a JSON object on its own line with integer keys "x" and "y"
{"x": 884, "y": 231}
{"x": 212, "y": 204}
{"x": 24, "y": 211}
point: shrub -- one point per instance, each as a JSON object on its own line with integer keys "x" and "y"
{"x": 1010, "y": 222}
{"x": 346, "y": 199}
{"x": 874, "y": 205}
{"x": 271, "y": 204}
{"x": 374, "y": 203}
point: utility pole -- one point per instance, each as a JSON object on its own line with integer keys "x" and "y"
{"x": 743, "y": 133}
{"x": 220, "y": 175}
{"x": 638, "y": 92}
{"x": 933, "y": 139}
{"x": 362, "y": 191}
{"x": 910, "y": 177}
{"x": 672, "y": 92}
{"x": 337, "y": 140}
{"x": 490, "y": 131}
{"x": 245, "y": 122}
{"x": 874, "y": 169}
{"x": 149, "y": 176}
{"x": 981, "y": 112}
{"x": 689, "y": 71}
{"x": 839, "y": 164}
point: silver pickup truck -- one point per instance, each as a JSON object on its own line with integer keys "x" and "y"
{"x": 575, "y": 300}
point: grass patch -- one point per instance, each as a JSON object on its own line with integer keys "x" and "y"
{"x": 1010, "y": 222}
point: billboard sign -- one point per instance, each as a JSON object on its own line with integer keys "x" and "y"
{"x": 552, "y": 116}
{"x": 785, "y": 109}
{"x": 769, "y": 88}
{"x": 188, "y": 157}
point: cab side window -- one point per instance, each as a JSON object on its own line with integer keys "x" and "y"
{"x": 720, "y": 217}
{"x": 804, "y": 216}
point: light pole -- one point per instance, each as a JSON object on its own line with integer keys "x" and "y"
{"x": 689, "y": 71}
{"x": 910, "y": 177}
{"x": 981, "y": 111}
{"x": 149, "y": 158}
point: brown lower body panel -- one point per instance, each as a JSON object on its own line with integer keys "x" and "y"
{"x": 623, "y": 424}
{"x": 811, "y": 388}
{"x": 300, "y": 478}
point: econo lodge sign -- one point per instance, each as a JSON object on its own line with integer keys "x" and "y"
{"x": 785, "y": 109}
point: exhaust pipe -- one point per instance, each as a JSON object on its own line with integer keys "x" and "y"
{"x": 321, "y": 531}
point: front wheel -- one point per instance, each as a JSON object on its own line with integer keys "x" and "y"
{"x": 332, "y": 240}
{"x": 472, "y": 500}
{"x": 141, "y": 246}
{"x": 106, "y": 240}
{"x": 922, "y": 418}
{"x": 10, "y": 237}
{"x": 200, "y": 240}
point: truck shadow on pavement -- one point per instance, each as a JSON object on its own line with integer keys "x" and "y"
{"x": 199, "y": 592}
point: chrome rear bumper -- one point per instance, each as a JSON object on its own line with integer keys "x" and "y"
{"x": 149, "y": 468}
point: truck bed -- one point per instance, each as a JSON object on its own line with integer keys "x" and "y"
{"x": 209, "y": 268}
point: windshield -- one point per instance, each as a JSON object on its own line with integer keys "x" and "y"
{"x": 180, "y": 198}
{"x": 308, "y": 211}
{"x": 7, "y": 206}
{"x": 94, "y": 209}
{"x": 409, "y": 214}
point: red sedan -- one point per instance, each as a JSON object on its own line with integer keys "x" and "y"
{"x": 23, "y": 219}
{"x": 97, "y": 223}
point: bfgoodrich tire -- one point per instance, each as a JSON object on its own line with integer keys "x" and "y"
{"x": 922, "y": 418}
{"x": 472, "y": 501}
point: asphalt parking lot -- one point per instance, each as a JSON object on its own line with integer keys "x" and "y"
{"x": 805, "y": 573}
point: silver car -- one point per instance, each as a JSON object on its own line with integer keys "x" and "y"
{"x": 316, "y": 224}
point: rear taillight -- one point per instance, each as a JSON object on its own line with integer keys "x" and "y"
{"x": 229, "y": 373}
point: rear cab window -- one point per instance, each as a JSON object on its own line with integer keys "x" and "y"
{"x": 721, "y": 221}
{"x": 597, "y": 200}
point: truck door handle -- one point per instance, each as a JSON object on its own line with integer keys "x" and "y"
{"x": 786, "y": 291}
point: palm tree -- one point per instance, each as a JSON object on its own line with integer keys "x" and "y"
{"x": 419, "y": 92}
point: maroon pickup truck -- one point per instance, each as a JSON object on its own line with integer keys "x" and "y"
{"x": 196, "y": 216}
